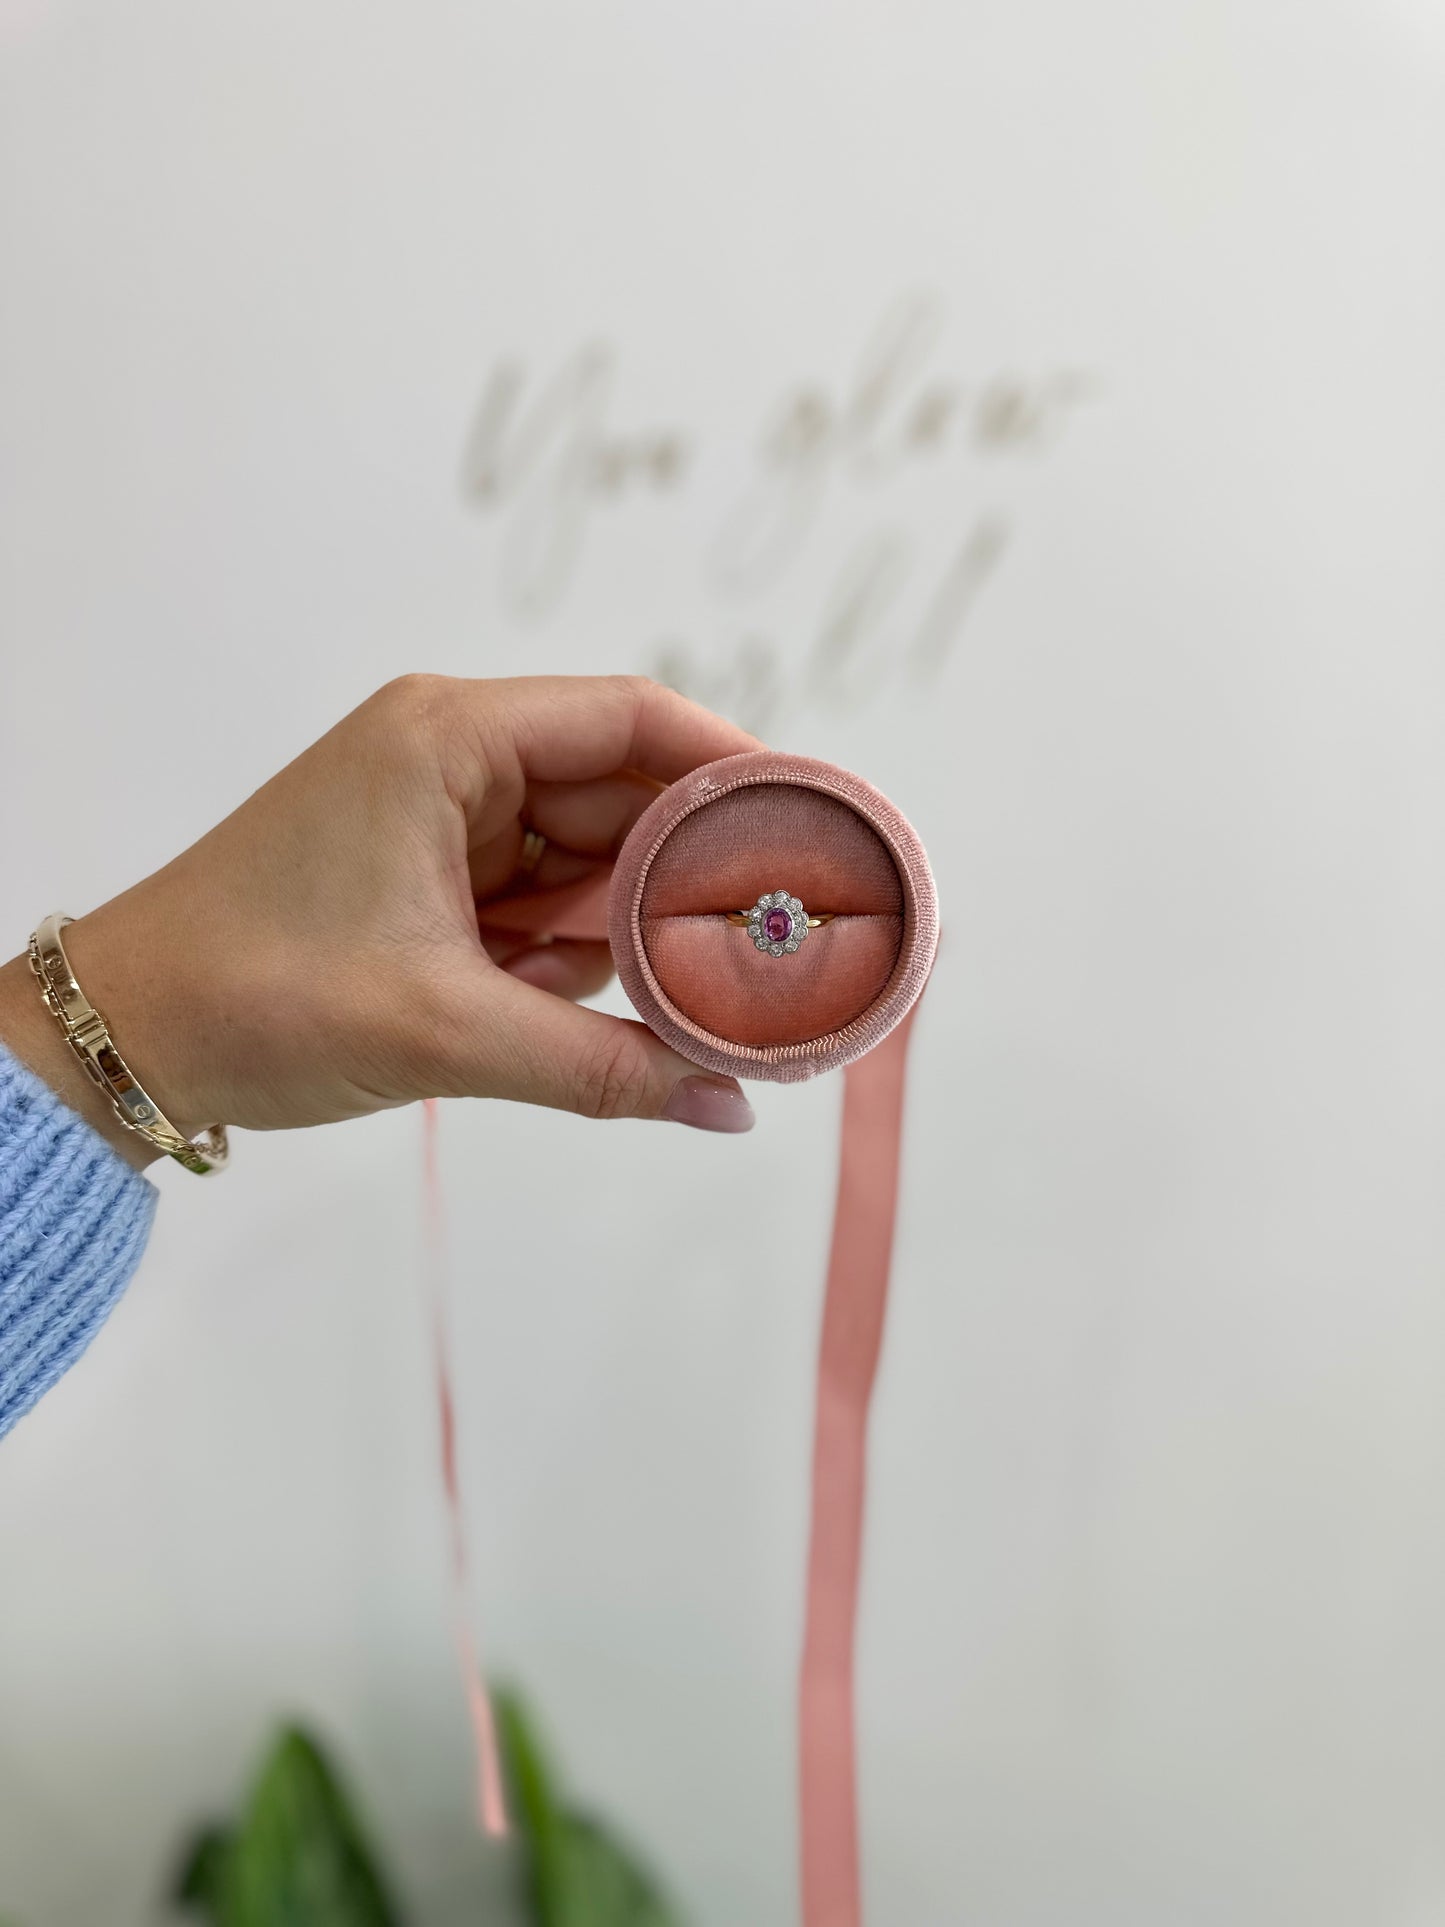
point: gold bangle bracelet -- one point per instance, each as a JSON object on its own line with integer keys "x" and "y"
{"x": 86, "y": 1033}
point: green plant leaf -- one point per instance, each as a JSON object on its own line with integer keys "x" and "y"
{"x": 604, "y": 1885}
{"x": 579, "y": 1874}
{"x": 299, "y": 1857}
{"x": 199, "y": 1883}
{"x": 534, "y": 1801}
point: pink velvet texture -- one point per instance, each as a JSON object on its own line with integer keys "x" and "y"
{"x": 717, "y": 841}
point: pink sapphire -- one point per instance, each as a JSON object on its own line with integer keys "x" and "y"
{"x": 777, "y": 926}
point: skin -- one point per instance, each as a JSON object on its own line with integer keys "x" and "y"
{"x": 317, "y": 955}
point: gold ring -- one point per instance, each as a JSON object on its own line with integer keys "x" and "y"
{"x": 530, "y": 855}
{"x": 778, "y": 923}
{"x": 746, "y": 916}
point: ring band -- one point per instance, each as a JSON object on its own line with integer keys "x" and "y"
{"x": 778, "y": 923}
{"x": 746, "y": 916}
{"x": 530, "y": 854}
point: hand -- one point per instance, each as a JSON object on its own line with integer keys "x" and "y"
{"x": 318, "y": 955}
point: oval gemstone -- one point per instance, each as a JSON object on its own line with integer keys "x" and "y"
{"x": 777, "y": 926}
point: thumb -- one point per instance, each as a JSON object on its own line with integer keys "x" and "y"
{"x": 539, "y": 1049}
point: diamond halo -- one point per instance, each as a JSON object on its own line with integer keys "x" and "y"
{"x": 777, "y": 923}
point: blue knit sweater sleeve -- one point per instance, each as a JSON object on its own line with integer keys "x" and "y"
{"x": 74, "y": 1219}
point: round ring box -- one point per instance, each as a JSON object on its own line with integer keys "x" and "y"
{"x": 721, "y": 839}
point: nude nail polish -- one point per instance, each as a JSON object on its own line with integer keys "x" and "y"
{"x": 709, "y": 1104}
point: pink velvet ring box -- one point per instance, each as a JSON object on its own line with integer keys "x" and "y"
{"x": 719, "y": 841}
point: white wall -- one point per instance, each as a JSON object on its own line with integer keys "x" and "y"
{"x": 1156, "y": 1572}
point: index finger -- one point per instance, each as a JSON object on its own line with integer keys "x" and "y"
{"x": 570, "y": 729}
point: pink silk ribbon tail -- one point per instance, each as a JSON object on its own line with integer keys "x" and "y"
{"x": 576, "y": 910}
{"x": 852, "y": 1336}
{"x": 491, "y": 1799}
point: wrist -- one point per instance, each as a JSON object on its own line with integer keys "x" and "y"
{"x": 31, "y": 1034}
{"x": 125, "y": 964}
{"x": 135, "y": 972}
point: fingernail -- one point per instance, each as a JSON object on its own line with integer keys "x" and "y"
{"x": 709, "y": 1104}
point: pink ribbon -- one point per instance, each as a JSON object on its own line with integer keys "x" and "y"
{"x": 853, "y": 1309}
{"x": 578, "y": 910}
{"x": 852, "y": 1333}
{"x": 491, "y": 1801}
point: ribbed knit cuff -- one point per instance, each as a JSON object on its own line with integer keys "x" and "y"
{"x": 74, "y": 1219}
